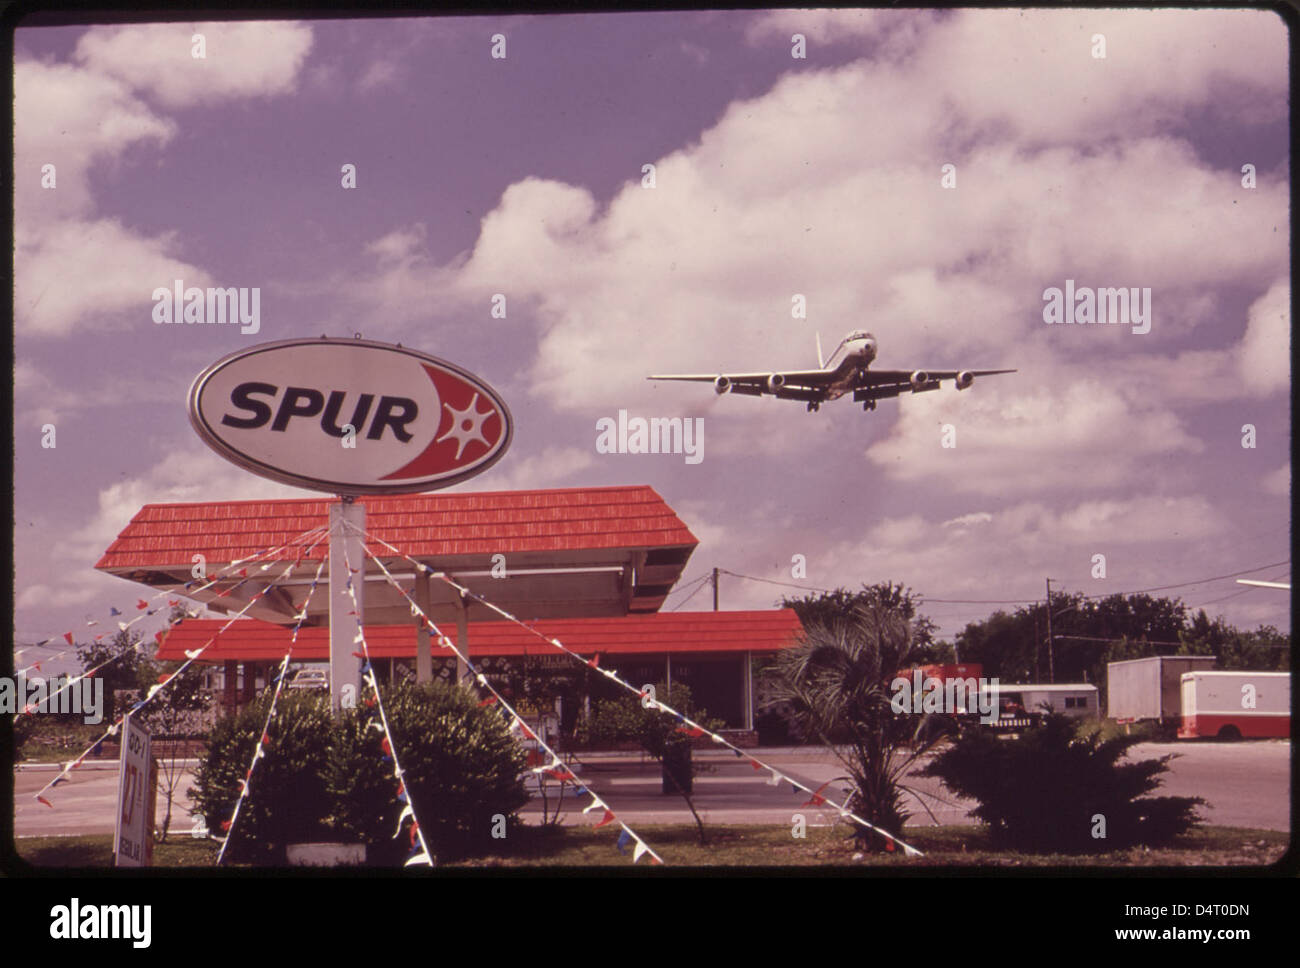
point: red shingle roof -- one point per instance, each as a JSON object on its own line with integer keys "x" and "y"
{"x": 469, "y": 523}
{"x": 668, "y": 632}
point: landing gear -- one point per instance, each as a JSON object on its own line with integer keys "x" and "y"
{"x": 868, "y": 404}
{"x": 813, "y": 406}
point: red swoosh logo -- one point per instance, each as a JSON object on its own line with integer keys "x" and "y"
{"x": 441, "y": 454}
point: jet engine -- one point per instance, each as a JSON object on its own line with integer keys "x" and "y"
{"x": 721, "y": 385}
{"x": 964, "y": 379}
{"x": 775, "y": 381}
{"x": 919, "y": 379}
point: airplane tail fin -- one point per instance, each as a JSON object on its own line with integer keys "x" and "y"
{"x": 821, "y": 363}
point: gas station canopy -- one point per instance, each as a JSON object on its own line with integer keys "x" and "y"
{"x": 562, "y": 553}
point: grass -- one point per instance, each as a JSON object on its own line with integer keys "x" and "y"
{"x": 744, "y": 845}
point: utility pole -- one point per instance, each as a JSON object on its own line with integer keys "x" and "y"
{"x": 715, "y": 589}
{"x": 1051, "y": 664}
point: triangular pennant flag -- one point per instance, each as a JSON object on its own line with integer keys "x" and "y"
{"x": 609, "y": 816}
{"x": 624, "y": 839}
{"x": 141, "y": 604}
{"x": 639, "y": 852}
{"x": 489, "y": 701}
{"x": 401, "y": 818}
{"x": 755, "y": 764}
{"x": 113, "y": 611}
{"x": 420, "y": 858}
{"x": 46, "y": 802}
{"x": 775, "y": 779}
{"x": 193, "y": 653}
{"x": 816, "y": 800}
{"x": 68, "y": 636}
{"x": 594, "y": 662}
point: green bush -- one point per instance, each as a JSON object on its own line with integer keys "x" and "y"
{"x": 288, "y": 802}
{"x": 325, "y": 777}
{"x": 1042, "y": 790}
{"x": 461, "y": 764}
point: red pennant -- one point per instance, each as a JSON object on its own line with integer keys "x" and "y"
{"x": 594, "y": 662}
{"x": 243, "y": 573}
{"x": 817, "y": 799}
{"x": 535, "y": 758}
{"x": 99, "y": 636}
{"x": 386, "y": 746}
{"x": 889, "y": 846}
{"x": 163, "y": 678}
{"x": 36, "y": 666}
{"x": 359, "y": 655}
{"x": 370, "y": 701}
{"x": 655, "y": 860}
{"x": 755, "y": 764}
{"x": 528, "y": 733}
{"x": 609, "y": 816}
{"x": 141, "y": 603}
{"x": 690, "y": 730}
{"x": 414, "y": 828}
{"x": 225, "y": 593}
{"x": 225, "y": 825}
{"x": 401, "y": 788}
{"x": 487, "y": 702}
{"x": 159, "y": 636}
{"x": 46, "y": 802}
{"x": 173, "y": 602}
{"x": 68, "y": 636}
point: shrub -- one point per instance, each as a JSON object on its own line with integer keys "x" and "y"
{"x": 462, "y": 769}
{"x": 324, "y": 777}
{"x": 288, "y": 800}
{"x": 1041, "y": 790}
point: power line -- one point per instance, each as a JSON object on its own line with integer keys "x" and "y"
{"x": 1023, "y": 601}
{"x": 687, "y": 598}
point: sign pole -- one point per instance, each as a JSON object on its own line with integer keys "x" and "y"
{"x": 345, "y": 621}
{"x": 423, "y": 647}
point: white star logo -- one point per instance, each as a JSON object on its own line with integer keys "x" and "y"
{"x": 466, "y": 425}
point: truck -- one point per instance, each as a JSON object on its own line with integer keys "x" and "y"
{"x": 1234, "y": 705}
{"x": 1150, "y": 688}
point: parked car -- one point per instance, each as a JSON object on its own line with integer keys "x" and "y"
{"x": 310, "y": 679}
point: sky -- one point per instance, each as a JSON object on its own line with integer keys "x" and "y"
{"x": 774, "y": 177}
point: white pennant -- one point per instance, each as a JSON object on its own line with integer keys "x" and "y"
{"x": 775, "y": 779}
{"x": 639, "y": 852}
{"x": 406, "y": 812}
{"x": 421, "y": 858}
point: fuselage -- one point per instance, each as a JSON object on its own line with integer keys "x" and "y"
{"x": 859, "y": 350}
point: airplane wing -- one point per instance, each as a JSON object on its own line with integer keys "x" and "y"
{"x": 796, "y": 379}
{"x": 903, "y": 378}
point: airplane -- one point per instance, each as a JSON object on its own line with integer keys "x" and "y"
{"x": 832, "y": 380}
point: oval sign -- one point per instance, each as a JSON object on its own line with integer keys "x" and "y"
{"x": 282, "y": 410}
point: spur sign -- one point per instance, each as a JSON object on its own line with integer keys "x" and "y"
{"x": 349, "y": 416}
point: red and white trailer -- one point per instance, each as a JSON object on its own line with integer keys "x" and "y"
{"x": 1233, "y": 705}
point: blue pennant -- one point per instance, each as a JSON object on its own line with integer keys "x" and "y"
{"x": 624, "y": 839}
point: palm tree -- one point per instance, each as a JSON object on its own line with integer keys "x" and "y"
{"x": 835, "y": 683}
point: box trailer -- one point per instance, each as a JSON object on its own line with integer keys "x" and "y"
{"x": 1150, "y": 688}
{"x": 1233, "y": 705}
{"x": 1025, "y": 705}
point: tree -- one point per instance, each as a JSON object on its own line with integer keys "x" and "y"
{"x": 123, "y": 673}
{"x": 836, "y": 682}
{"x": 663, "y": 736}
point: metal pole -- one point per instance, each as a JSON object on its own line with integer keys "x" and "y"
{"x": 1051, "y": 663}
{"x": 715, "y": 589}
{"x": 345, "y": 621}
{"x": 423, "y": 646}
{"x": 462, "y": 637}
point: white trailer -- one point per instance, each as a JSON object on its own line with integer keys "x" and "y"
{"x": 1233, "y": 705}
{"x": 1150, "y": 688}
{"x": 1020, "y": 705}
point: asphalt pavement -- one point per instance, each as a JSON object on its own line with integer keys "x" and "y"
{"x": 1247, "y": 785}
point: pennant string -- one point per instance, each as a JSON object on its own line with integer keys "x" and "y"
{"x": 660, "y": 704}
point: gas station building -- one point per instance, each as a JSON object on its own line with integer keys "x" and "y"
{"x": 590, "y": 567}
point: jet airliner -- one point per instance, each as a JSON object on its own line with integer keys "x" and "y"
{"x": 832, "y": 380}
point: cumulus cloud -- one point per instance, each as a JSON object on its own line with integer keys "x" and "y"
{"x": 71, "y": 265}
{"x": 240, "y": 60}
{"x": 73, "y": 270}
{"x": 550, "y": 467}
{"x": 829, "y": 186}
{"x": 1265, "y": 355}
